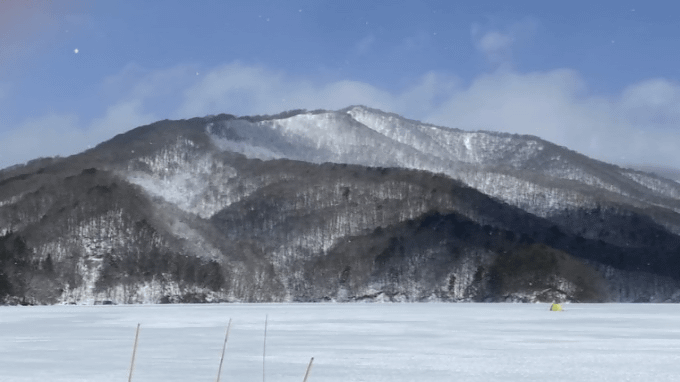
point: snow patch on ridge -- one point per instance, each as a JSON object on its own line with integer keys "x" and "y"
{"x": 500, "y": 165}
{"x": 529, "y": 196}
{"x": 238, "y": 145}
{"x": 11, "y": 200}
{"x": 192, "y": 181}
{"x": 662, "y": 186}
{"x": 452, "y": 145}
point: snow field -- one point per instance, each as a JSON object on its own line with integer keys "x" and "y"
{"x": 349, "y": 342}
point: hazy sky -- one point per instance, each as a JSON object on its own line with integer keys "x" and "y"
{"x": 600, "y": 77}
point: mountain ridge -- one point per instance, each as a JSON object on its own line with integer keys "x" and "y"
{"x": 226, "y": 208}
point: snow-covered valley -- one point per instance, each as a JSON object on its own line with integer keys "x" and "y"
{"x": 349, "y": 342}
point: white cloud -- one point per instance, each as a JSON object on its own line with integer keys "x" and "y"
{"x": 495, "y": 46}
{"x": 136, "y": 82}
{"x": 129, "y": 93}
{"x": 64, "y": 135}
{"x": 38, "y": 137}
{"x": 425, "y": 96}
{"x": 638, "y": 126}
{"x": 118, "y": 119}
{"x": 535, "y": 103}
{"x": 655, "y": 102}
{"x": 556, "y": 106}
{"x": 246, "y": 90}
{"x": 243, "y": 90}
{"x": 137, "y": 97}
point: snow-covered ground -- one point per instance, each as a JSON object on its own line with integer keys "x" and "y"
{"x": 349, "y": 342}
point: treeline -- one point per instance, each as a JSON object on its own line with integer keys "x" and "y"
{"x": 421, "y": 257}
{"x": 132, "y": 269}
{"x": 25, "y": 280}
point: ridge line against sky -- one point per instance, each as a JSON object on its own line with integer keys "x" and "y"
{"x": 600, "y": 79}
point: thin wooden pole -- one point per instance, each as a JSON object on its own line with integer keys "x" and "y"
{"x": 224, "y": 347}
{"x": 309, "y": 367}
{"x": 134, "y": 352}
{"x": 264, "y": 347}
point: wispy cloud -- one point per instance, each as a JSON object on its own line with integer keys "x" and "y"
{"x": 38, "y": 137}
{"x": 242, "y": 89}
{"x": 496, "y": 45}
{"x": 631, "y": 128}
{"x": 655, "y": 101}
{"x": 557, "y": 106}
{"x": 364, "y": 45}
{"x": 65, "y": 134}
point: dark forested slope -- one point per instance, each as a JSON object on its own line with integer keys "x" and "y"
{"x": 297, "y": 207}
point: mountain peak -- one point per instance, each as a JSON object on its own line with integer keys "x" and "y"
{"x": 349, "y": 205}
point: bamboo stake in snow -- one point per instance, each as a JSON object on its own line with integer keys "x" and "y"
{"x": 134, "y": 352}
{"x": 309, "y": 367}
{"x": 264, "y": 347}
{"x": 224, "y": 347}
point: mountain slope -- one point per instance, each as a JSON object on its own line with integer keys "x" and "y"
{"x": 333, "y": 205}
{"x": 511, "y": 165}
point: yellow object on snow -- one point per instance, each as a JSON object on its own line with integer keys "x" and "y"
{"x": 556, "y": 308}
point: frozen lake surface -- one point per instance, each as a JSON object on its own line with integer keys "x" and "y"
{"x": 349, "y": 342}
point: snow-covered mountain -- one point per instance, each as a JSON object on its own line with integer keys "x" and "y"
{"x": 525, "y": 171}
{"x": 355, "y": 204}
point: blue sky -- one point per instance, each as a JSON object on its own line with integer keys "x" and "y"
{"x": 599, "y": 77}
